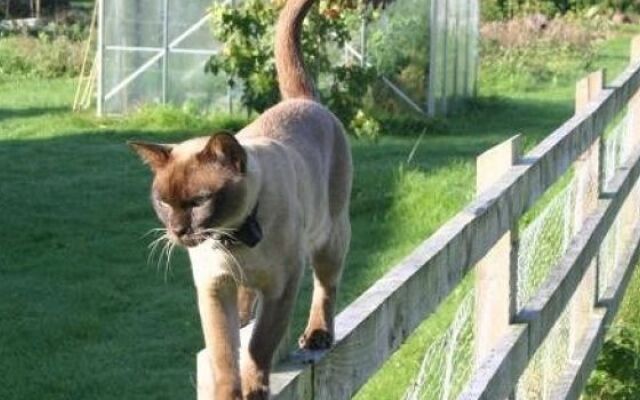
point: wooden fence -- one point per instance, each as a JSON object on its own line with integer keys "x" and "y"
{"x": 484, "y": 236}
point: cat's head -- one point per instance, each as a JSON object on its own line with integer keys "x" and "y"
{"x": 199, "y": 186}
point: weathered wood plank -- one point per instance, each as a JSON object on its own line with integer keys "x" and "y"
{"x": 631, "y": 140}
{"x": 588, "y": 89}
{"x": 631, "y": 210}
{"x": 635, "y": 49}
{"x": 587, "y": 178}
{"x": 291, "y": 380}
{"x": 496, "y": 272}
{"x": 496, "y": 161}
{"x": 496, "y": 377}
{"x": 546, "y": 306}
{"x": 572, "y": 382}
{"x": 544, "y": 309}
{"x": 614, "y": 292}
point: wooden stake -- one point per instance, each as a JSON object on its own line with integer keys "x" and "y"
{"x": 587, "y": 176}
{"x": 635, "y": 49}
{"x": 77, "y": 100}
{"x": 496, "y": 282}
{"x": 630, "y": 212}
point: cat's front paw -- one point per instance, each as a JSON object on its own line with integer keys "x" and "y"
{"x": 317, "y": 339}
{"x": 255, "y": 382}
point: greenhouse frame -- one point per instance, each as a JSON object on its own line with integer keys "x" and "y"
{"x": 155, "y": 51}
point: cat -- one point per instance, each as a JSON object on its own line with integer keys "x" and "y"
{"x": 252, "y": 210}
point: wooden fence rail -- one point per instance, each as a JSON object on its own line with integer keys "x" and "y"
{"x": 371, "y": 328}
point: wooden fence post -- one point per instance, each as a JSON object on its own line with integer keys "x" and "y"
{"x": 630, "y": 212}
{"x": 635, "y": 49}
{"x": 495, "y": 299}
{"x": 587, "y": 177}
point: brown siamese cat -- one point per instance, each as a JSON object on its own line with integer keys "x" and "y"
{"x": 252, "y": 210}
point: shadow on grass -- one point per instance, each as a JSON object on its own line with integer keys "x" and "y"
{"x": 10, "y": 113}
{"x": 82, "y": 315}
{"x": 504, "y": 117}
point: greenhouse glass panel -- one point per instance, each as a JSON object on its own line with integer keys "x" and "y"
{"x": 155, "y": 51}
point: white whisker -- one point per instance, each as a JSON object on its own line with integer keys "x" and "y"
{"x": 155, "y": 241}
{"x": 153, "y": 246}
{"x": 154, "y": 231}
{"x": 163, "y": 253}
{"x": 167, "y": 264}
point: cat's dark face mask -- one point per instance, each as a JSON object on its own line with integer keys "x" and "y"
{"x": 197, "y": 198}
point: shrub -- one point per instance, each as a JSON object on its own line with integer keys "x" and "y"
{"x": 524, "y": 52}
{"x": 365, "y": 127}
{"x": 505, "y": 9}
{"x": 170, "y": 117}
{"x": 44, "y": 56}
{"x": 248, "y": 30}
{"x": 618, "y": 366}
{"x": 398, "y": 43}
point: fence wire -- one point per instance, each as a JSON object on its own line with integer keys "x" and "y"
{"x": 544, "y": 241}
{"x": 548, "y": 362}
{"x": 616, "y": 150}
{"x": 448, "y": 361}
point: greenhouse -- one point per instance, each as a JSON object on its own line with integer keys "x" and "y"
{"x": 155, "y": 51}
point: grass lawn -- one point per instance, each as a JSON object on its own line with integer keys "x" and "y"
{"x": 84, "y": 315}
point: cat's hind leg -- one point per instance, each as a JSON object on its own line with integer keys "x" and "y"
{"x": 328, "y": 262}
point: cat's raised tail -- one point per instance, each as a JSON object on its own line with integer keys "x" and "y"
{"x": 293, "y": 78}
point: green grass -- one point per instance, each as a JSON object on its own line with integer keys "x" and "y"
{"x": 84, "y": 316}
{"x": 82, "y": 313}
{"x": 617, "y": 374}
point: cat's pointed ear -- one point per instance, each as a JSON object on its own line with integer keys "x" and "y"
{"x": 224, "y": 149}
{"x": 154, "y": 154}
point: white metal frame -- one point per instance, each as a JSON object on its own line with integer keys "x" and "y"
{"x": 160, "y": 53}
{"x": 437, "y": 100}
